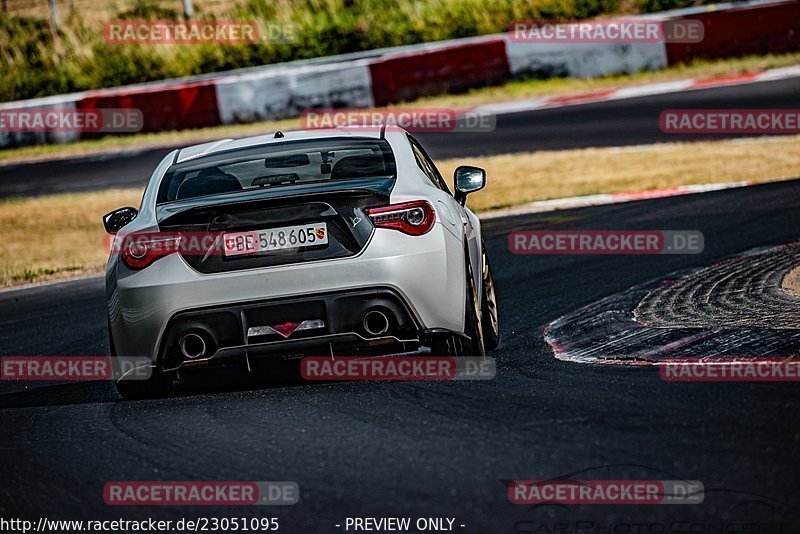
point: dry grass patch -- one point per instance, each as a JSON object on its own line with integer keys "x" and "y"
{"x": 56, "y": 236}
{"x": 520, "y": 178}
{"x": 62, "y": 236}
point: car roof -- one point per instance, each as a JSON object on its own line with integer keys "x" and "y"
{"x": 223, "y": 145}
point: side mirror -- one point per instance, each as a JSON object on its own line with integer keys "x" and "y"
{"x": 118, "y": 218}
{"x": 468, "y": 179}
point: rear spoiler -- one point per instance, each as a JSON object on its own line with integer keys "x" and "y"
{"x": 381, "y": 186}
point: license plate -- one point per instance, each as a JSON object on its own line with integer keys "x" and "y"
{"x": 260, "y": 241}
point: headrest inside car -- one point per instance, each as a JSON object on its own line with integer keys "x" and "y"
{"x": 362, "y": 166}
{"x": 208, "y": 182}
{"x": 276, "y": 179}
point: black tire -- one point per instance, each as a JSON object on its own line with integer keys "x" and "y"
{"x": 472, "y": 319}
{"x": 490, "y": 319}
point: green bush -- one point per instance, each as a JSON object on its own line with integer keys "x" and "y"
{"x": 652, "y": 6}
{"x": 148, "y": 11}
{"x": 113, "y": 65}
{"x": 28, "y": 67}
{"x": 37, "y": 62}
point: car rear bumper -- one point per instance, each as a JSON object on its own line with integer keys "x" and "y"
{"x": 332, "y": 323}
{"x": 424, "y": 273}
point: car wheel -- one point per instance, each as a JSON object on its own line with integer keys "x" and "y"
{"x": 490, "y": 320}
{"x": 470, "y": 343}
{"x": 472, "y": 319}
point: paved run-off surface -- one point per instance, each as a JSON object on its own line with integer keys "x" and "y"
{"x": 430, "y": 449}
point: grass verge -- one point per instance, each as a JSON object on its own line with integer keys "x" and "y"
{"x": 516, "y": 179}
{"x": 61, "y": 236}
{"x": 514, "y": 90}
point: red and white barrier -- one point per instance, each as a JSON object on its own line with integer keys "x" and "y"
{"x": 383, "y": 77}
{"x": 164, "y": 107}
{"x": 286, "y": 92}
{"x": 10, "y": 138}
{"x": 583, "y": 60}
{"x": 470, "y": 63}
{"x": 738, "y": 30}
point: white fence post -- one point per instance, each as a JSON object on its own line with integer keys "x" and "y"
{"x": 54, "y": 14}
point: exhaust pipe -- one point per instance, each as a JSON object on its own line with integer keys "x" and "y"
{"x": 193, "y": 346}
{"x": 375, "y": 323}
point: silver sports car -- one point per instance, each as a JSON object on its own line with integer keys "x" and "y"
{"x": 320, "y": 242}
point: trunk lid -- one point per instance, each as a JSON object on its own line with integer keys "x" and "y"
{"x": 340, "y": 205}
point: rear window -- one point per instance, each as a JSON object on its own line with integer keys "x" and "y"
{"x": 278, "y": 165}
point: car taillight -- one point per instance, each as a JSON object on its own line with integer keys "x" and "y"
{"x": 413, "y": 218}
{"x": 140, "y": 250}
